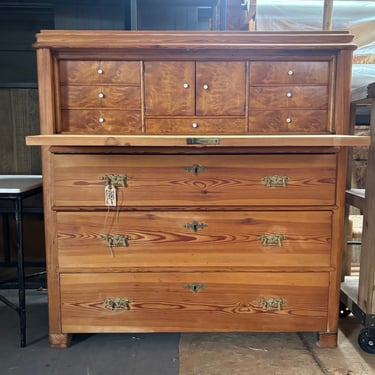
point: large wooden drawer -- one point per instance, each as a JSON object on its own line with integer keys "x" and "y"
{"x": 127, "y": 239}
{"x": 170, "y": 302}
{"x": 93, "y": 72}
{"x": 100, "y": 121}
{"x": 196, "y": 180}
{"x": 289, "y": 72}
{"x": 195, "y": 125}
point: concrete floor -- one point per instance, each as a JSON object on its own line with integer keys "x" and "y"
{"x": 155, "y": 354}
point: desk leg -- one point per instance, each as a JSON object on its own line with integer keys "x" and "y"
{"x": 6, "y": 239}
{"x": 21, "y": 272}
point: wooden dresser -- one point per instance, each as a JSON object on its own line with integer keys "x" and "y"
{"x": 193, "y": 181}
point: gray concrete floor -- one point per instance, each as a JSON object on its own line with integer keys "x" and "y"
{"x": 113, "y": 354}
{"x": 110, "y": 354}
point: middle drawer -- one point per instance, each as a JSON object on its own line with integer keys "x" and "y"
{"x": 195, "y": 180}
{"x": 128, "y": 239}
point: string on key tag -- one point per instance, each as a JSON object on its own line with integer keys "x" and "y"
{"x": 111, "y": 199}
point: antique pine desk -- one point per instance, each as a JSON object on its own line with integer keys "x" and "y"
{"x": 194, "y": 181}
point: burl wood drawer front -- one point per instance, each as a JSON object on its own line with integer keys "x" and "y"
{"x": 261, "y": 97}
{"x": 196, "y": 126}
{"x": 196, "y": 180}
{"x": 103, "y": 121}
{"x": 289, "y": 72}
{"x": 120, "y": 97}
{"x": 290, "y": 120}
{"x": 93, "y": 72}
{"x": 172, "y": 302}
{"x": 193, "y": 239}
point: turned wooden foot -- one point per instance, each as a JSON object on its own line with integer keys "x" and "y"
{"x": 60, "y": 340}
{"x": 327, "y": 339}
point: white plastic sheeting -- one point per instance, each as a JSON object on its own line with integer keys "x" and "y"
{"x": 362, "y": 75}
{"x": 358, "y": 17}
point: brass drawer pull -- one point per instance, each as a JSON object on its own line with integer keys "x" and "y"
{"x": 196, "y": 168}
{"x": 272, "y": 303}
{"x": 117, "y": 240}
{"x": 116, "y": 304}
{"x": 195, "y": 287}
{"x": 195, "y": 226}
{"x": 272, "y": 239}
{"x": 116, "y": 180}
{"x": 275, "y": 181}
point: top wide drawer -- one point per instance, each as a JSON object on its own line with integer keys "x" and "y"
{"x": 195, "y": 180}
{"x": 289, "y": 72}
{"x": 94, "y": 72}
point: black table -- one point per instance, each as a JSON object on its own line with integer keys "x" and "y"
{"x": 14, "y": 188}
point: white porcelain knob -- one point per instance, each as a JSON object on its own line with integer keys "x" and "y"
{"x": 289, "y": 94}
{"x": 290, "y": 72}
{"x": 186, "y": 85}
{"x": 205, "y": 87}
{"x": 194, "y": 125}
{"x": 101, "y": 119}
{"x": 288, "y": 120}
{"x": 101, "y": 95}
{"x": 100, "y": 71}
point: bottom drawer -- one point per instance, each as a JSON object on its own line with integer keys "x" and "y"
{"x": 194, "y": 302}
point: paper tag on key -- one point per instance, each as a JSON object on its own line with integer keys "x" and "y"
{"x": 110, "y": 195}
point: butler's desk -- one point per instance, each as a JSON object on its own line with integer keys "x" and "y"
{"x": 194, "y": 181}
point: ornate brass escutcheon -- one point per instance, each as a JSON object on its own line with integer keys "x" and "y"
{"x": 196, "y": 169}
{"x": 195, "y": 287}
{"x": 116, "y": 180}
{"x": 275, "y": 181}
{"x": 272, "y": 239}
{"x": 272, "y": 303}
{"x": 116, "y": 304}
{"x": 117, "y": 240}
{"x": 195, "y": 226}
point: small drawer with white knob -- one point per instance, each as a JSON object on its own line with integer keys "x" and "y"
{"x": 97, "y": 121}
{"x": 266, "y": 97}
{"x": 289, "y": 72}
{"x": 91, "y": 72}
{"x": 290, "y": 121}
{"x": 119, "y": 97}
{"x": 195, "y": 126}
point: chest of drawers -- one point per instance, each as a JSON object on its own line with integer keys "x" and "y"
{"x": 193, "y": 181}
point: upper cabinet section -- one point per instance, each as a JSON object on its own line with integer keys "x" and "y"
{"x": 189, "y": 88}
{"x": 190, "y": 83}
{"x": 197, "y": 90}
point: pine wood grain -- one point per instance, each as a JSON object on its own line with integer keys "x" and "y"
{"x": 161, "y": 302}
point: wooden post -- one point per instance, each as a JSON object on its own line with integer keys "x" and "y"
{"x": 366, "y": 291}
{"x": 252, "y": 9}
{"x": 327, "y": 14}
